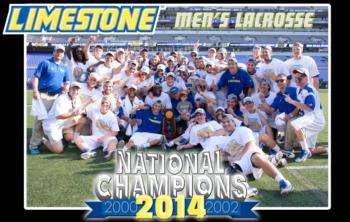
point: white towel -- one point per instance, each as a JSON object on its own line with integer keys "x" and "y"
{"x": 127, "y": 107}
{"x": 38, "y": 109}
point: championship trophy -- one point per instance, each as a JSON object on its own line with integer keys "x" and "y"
{"x": 169, "y": 124}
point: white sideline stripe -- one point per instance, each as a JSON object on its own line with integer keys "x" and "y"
{"x": 307, "y": 167}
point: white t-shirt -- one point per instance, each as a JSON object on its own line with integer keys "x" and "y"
{"x": 271, "y": 70}
{"x": 179, "y": 84}
{"x": 269, "y": 99}
{"x": 111, "y": 97}
{"x": 254, "y": 121}
{"x": 63, "y": 104}
{"x": 77, "y": 69}
{"x": 305, "y": 62}
{"x": 208, "y": 144}
{"x": 237, "y": 140}
{"x": 92, "y": 60}
{"x": 103, "y": 71}
{"x": 201, "y": 73}
{"x": 86, "y": 93}
{"x": 101, "y": 123}
{"x": 164, "y": 98}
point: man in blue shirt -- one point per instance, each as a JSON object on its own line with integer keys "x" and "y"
{"x": 236, "y": 80}
{"x": 149, "y": 132}
{"x": 50, "y": 79}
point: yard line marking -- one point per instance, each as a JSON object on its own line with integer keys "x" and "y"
{"x": 315, "y": 191}
{"x": 307, "y": 167}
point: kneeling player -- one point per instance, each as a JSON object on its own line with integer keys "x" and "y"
{"x": 149, "y": 132}
{"x": 64, "y": 115}
{"x": 245, "y": 156}
{"x": 104, "y": 130}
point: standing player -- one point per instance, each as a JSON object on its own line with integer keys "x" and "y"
{"x": 271, "y": 68}
{"x": 104, "y": 130}
{"x": 301, "y": 61}
{"x": 312, "y": 120}
{"x": 47, "y": 82}
{"x": 244, "y": 156}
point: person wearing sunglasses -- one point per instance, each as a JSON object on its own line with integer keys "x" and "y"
{"x": 285, "y": 111}
{"x": 311, "y": 120}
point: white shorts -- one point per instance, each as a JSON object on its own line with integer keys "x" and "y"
{"x": 310, "y": 123}
{"x": 140, "y": 138}
{"x": 54, "y": 132}
{"x": 246, "y": 164}
{"x": 92, "y": 143}
{"x": 280, "y": 123}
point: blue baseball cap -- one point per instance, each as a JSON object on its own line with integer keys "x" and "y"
{"x": 174, "y": 90}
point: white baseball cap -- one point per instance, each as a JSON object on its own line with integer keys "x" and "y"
{"x": 248, "y": 99}
{"x": 199, "y": 110}
{"x": 302, "y": 71}
{"x": 59, "y": 47}
{"x": 219, "y": 108}
{"x": 75, "y": 84}
{"x": 94, "y": 75}
{"x": 222, "y": 50}
{"x": 211, "y": 63}
{"x": 171, "y": 58}
{"x": 120, "y": 50}
{"x": 170, "y": 74}
{"x": 161, "y": 67}
{"x": 132, "y": 86}
{"x": 212, "y": 49}
{"x": 145, "y": 69}
{"x": 183, "y": 68}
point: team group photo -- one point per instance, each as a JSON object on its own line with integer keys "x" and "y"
{"x": 260, "y": 97}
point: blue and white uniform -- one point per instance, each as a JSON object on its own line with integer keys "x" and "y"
{"x": 150, "y": 128}
{"x": 310, "y": 122}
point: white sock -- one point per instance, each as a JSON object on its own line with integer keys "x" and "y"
{"x": 146, "y": 145}
{"x": 276, "y": 148}
{"x": 304, "y": 145}
{"x": 279, "y": 177}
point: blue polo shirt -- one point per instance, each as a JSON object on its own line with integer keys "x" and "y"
{"x": 51, "y": 76}
{"x": 150, "y": 123}
{"x": 281, "y": 105}
{"x": 235, "y": 83}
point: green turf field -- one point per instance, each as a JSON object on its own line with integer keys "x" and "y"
{"x": 63, "y": 180}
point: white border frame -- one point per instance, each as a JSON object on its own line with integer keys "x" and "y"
{"x": 162, "y": 7}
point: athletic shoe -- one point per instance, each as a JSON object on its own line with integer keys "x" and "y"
{"x": 121, "y": 144}
{"x": 163, "y": 142}
{"x": 289, "y": 153}
{"x": 87, "y": 155}
{"x": 285, "y": 187}
{"x": 276, "y": 157}
{"x": 181, "y": 142}
{"x": 280, "y": 139}
{"x": 303, "y": 156}
{"x": 169, "y": 144}
{"x": 109, "y": 156}
{"x": 252, "y": 191}
{"x": 282, "y": 162}
{"x": 34, "y": 151}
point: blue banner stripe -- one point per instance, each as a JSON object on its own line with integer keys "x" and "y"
{"x": 128, "y": 208}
